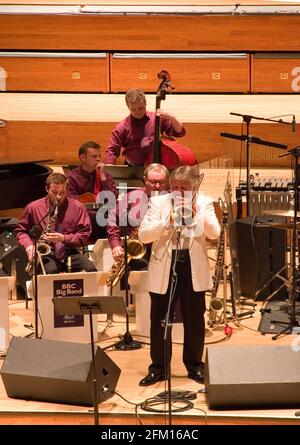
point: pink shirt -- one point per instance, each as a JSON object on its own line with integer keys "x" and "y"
{"x": 136, "y": 136}
{"x": 81, "y": 182}
{"x": 72, "y": 220}
{"x": 130, "y": 210}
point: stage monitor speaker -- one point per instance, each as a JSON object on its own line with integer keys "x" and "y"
{"x": 8, "y": 244}
{"x": 14, "y": 263}
{"x": 261, "y": 251}
{"x": 252, "y": 376}
{"x": 15, "y": 259}
{"x": 56, "y": 371}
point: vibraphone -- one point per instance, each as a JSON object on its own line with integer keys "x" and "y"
{"x": 265, "y": 194}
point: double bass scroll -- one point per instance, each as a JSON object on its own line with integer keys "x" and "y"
{"x": 168, "y": 151}
{"x": 160, "y": 95}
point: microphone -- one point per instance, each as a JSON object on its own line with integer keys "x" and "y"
{"x": 294, "y": 124}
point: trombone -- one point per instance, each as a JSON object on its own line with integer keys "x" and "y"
{"x": 177, "y": 213}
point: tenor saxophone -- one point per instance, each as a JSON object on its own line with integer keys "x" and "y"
{"x": 42, "y": 246}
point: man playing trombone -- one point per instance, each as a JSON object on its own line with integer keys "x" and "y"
{"x": 177, "y": 225}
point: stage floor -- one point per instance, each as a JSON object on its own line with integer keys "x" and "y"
{"x": 120, "y": 409}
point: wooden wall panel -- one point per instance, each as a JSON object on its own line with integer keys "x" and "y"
{"x": 56, "y": 74}
{"x": 60, "y": 141}
{"x": 150, "y": 33}
{"x": 275, "y": 73}
{"x": 193, "y": 73}
{"x": 52, "y": 140}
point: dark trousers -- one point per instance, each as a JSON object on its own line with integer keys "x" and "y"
{"x": 79, "y": 262}
{"x": 192, "y": 305}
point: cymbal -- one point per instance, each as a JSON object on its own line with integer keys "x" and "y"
{"x": 287, "y": 213}
{"x": 284, "y": 226}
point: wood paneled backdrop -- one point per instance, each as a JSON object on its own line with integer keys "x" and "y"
{"x": 150, "y": 32}
{"x": 54, "y": 125}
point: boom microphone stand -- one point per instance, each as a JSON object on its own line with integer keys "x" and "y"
{"x": 247, "y": 119}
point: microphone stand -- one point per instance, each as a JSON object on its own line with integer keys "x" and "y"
{"x": 295, "y": 152}
{"x": 168, "y": 325}
{"x": 247, "y": 119}
{"x": 127, "y": 343}
{"x": 35, "y": 234}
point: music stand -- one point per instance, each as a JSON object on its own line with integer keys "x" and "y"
{"x": 124, "y": 174}
{"x": 90, "y": 305}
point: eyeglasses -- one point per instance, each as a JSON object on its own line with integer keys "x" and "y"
{"x": 156, "y": 181}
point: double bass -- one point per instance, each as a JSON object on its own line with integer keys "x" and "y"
{"x": 166, "y": 150}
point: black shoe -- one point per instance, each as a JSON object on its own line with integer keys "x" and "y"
{"x": 151, "y": 378}
{"x": 198, "y": 376}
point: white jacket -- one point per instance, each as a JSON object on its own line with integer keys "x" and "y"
{"x": 154, "y": 229}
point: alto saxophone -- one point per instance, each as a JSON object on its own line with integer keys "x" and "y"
{"x": 42, "y": 246}
{"x": 135, "y": 250}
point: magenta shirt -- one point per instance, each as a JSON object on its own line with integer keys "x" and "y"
{"x": 72, "y": 220}
{"x": 81, "y": 182}
{"x": 130, "y": 209}
{"x": 136, "y": 136}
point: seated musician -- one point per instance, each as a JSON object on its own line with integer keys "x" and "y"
{"x": 61, "y": 224}
{"x": 87, "y": 181}
{"x": 136, "y": 133}
{"x": 130, "y": 210}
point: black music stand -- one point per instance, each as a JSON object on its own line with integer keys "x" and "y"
{"x": 130, "y": 176}
{"x": 90, "y": 305}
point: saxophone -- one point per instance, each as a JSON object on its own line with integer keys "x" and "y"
{"x": 42, "y": 247}
{"x": 135, "y": 250}
{"x": 216, "y": 305}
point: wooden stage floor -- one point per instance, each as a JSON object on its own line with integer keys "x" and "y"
{"x": 120, "y": 409}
